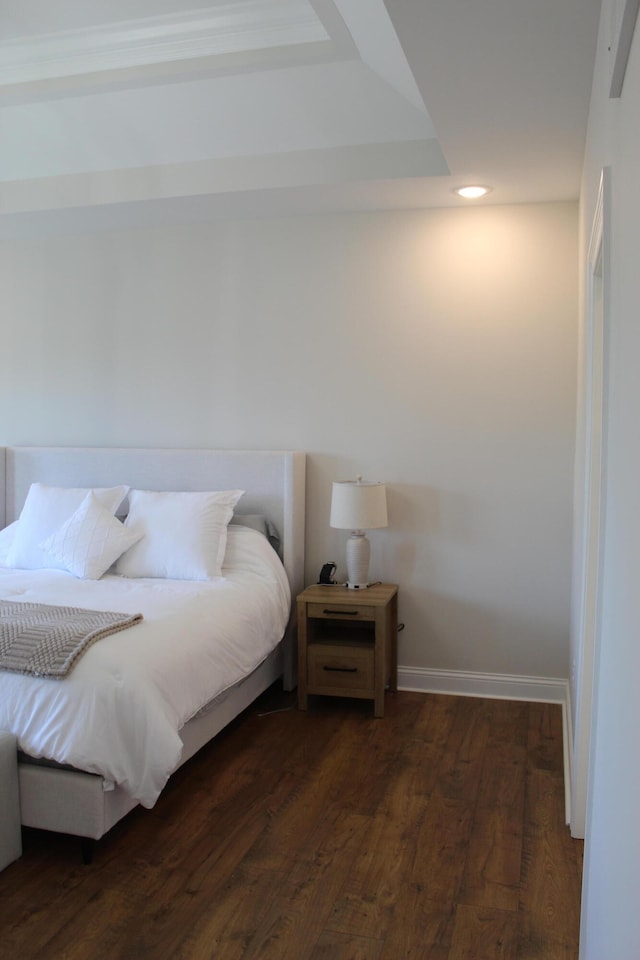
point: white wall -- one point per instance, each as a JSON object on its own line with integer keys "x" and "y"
{"x": 434, "y": 350}
{"x": 610, "y": 916}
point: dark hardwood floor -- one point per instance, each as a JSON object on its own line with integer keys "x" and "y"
{"x": 436, "y": 833}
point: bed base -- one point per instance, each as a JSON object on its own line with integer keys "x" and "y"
{"x": 84, "y": 805}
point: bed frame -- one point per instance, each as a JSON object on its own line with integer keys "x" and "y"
{"x": 82, "y": 804}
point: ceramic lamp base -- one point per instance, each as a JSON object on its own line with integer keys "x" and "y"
{"x": 358, "y": 553}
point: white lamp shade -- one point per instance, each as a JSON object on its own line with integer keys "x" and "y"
{"x": 358, "y": 505}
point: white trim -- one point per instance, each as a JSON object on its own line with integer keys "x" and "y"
{"x": 567, "y": 755}
{"x": 238, "y": 26}
{"x": 500, "y": 686}
{"x": 588, "y": 561}
{"x": 624, "y": 14}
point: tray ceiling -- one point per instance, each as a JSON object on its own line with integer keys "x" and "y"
{"x": 123, "y": 110}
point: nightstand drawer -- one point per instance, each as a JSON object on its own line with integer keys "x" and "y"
{"x": 329, "y": 611}
{"x": 334, "y": 669}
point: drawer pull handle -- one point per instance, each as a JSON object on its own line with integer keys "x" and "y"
{"x": 341, "y": 669}
{"x": 342, "y": 613}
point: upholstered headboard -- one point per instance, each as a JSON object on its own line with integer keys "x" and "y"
{"x": 274, "y": 481}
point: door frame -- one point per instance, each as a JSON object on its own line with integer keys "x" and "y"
{"x": 593, "y": 488}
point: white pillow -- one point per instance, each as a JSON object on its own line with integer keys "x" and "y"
{"x": 7, "y": 536}
{"x": 45, "y": 509}
{"x": 90, "y": 541}
{"x": 185, "y": 534}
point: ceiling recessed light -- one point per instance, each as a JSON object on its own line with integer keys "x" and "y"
{"x": 472, "y": 193}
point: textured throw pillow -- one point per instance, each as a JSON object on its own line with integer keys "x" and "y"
{"x": 90, "y": 541}
{"x": 44, "y": 511}
{"x": 184, "y": 534}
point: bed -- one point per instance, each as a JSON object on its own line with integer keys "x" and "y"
{"x": 89, "y": 795}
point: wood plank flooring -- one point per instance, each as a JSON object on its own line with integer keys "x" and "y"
{"x": 436, "y": 833}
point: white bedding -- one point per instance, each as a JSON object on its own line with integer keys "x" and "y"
{"x": 119, "y": 711}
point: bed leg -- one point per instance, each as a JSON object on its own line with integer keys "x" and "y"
{"x": 87, "y": 845}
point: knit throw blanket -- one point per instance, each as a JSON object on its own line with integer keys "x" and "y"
{"x": 46, "y": 641}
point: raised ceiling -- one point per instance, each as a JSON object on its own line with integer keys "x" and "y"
{"x": 120, "y": 111}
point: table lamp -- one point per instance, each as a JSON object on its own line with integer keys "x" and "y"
{"x": 358, "y": 505}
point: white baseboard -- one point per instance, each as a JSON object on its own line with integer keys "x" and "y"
{"x": 567, "y": 726}
{"x": 501, "y": 686}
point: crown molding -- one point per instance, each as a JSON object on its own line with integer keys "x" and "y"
{"x": 231, "y": 27}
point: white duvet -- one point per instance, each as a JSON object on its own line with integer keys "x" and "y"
{"x": 119, "y": 710}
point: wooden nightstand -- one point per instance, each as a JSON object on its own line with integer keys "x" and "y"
{"x": 348, "y": 643}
